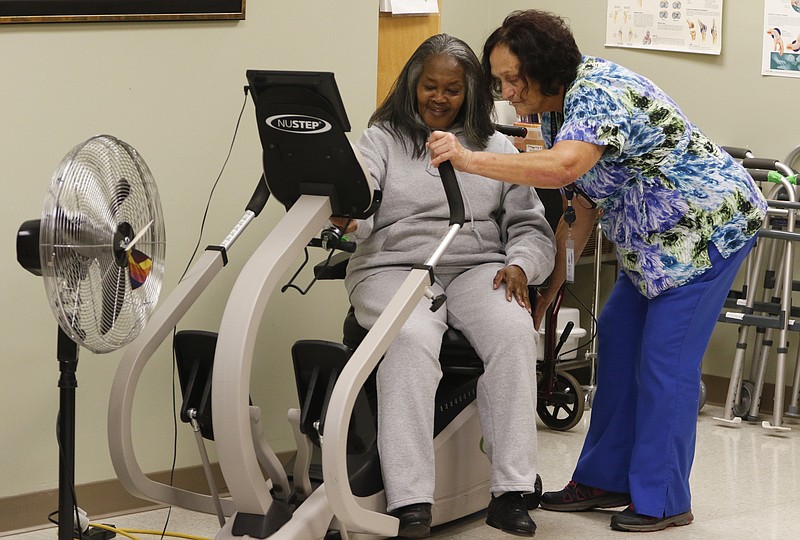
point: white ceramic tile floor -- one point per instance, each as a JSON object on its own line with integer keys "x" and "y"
{"x": 745, "y": 484}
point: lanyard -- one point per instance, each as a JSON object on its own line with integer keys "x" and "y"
{"x": 557, "y": 119}
{"x": 569, "y": 244}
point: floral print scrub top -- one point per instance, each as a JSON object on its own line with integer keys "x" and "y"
{"x": 665, "y": 189}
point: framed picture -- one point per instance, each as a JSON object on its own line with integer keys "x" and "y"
{"x": 45, "y": 11}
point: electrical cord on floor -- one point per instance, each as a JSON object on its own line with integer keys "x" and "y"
{"x": 86, "y": 531}
{"x": 70, "y": 480}
{"x": 123, "y": 531}
{"x": 130, "y": 533}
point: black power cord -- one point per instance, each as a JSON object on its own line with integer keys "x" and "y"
{"x": 174, "y": 329}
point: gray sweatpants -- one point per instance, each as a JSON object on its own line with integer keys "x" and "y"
{"x": 503, "y": 335}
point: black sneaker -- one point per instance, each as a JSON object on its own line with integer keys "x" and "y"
{"x": 577, "y": 497}
{"x": 629, "y": 520}
{"x": 415, "y": 520}
{"x": 509, "y": 513}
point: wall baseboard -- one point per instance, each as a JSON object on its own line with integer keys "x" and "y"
{"x": 101, "y": 499}
{"x": 716, "y": 389}
{"x": 717, "y": 393}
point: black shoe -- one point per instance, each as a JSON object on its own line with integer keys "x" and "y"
{"x": 532, "y": 499}
{"x": 415, "y": 520}
{"x": 509, "y": 513}
{"x": 629, "y": 520}
{"x": 577, "y": 497}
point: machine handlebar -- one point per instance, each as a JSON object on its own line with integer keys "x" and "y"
{"x": 511, "y": 131}
{"x": 259, "y": 198}
{"x": 452, "y": 192}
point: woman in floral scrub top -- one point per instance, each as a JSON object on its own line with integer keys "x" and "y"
{"x": 682, "y": 214}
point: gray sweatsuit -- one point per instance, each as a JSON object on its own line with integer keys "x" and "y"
{"x": 505, "y": 225}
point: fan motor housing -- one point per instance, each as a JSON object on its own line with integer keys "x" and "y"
{"x": 123, "y": 235}
{"x": 28, "y": 246}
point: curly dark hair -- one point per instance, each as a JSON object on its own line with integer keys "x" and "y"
{"x": 544, "y": 45}
{"x": 399, "y": 115}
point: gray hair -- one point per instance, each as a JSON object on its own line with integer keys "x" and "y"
{"x": 398, "y": 112}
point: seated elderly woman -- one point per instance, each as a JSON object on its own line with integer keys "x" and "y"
{"x": 505, "y": 244}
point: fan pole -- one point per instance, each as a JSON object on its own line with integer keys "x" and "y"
{"x": 67, "y": 383}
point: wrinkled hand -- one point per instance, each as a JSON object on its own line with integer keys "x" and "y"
{"x": 444, "y": 146}
{"x": 346, "y": 225}
{"x": 516, "y": 285}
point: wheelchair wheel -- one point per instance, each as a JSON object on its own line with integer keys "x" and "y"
{"x": 703, "y": 396}
{"x": 747, "y": 390}
{"x": 565, "y": 409}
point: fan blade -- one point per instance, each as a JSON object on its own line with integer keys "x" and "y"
{"x": 138, "y": 236}
{"x": 139, "y": 267}
{"x": 113, "y": 297}
{"x": 121, "y": 193}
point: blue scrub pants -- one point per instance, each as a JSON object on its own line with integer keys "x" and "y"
{"x": 641, "y": 438}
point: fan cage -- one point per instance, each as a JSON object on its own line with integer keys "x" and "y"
{"x": 101, "y": 195}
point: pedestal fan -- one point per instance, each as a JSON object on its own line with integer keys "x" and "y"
{"x": 99, "y": 246}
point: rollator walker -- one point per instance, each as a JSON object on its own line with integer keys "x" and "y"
{"x": 312, "y": 169}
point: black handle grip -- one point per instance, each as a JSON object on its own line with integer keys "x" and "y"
{"x": 452, "y": 192}
{"x": 349, "y": 247}
{"x": 760, "y": 163}
{"x": 759, "y": 175}
{"x": 260, "y": 197}
{"x": 512, "y": 131}
{"x": 564, "y": 336}
{"x": 737, "y": 152}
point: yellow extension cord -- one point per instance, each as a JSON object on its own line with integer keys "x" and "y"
{"x": 131, "y": 532}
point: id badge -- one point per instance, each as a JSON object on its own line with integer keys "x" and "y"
{"x": 570, "y": 249}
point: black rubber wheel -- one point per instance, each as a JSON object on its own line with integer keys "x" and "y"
{"x": 563, "y": 416}
{"x": 703, "y": 395}
{"x": 745, "y": 399}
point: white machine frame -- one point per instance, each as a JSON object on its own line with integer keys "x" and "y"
{"x": 462, "y": 480}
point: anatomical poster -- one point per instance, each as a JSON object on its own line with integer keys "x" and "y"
{"x": 781, "y": 52}
{"x": 693, "y": 26}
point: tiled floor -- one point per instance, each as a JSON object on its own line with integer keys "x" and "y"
{"x": 745, "y": 483}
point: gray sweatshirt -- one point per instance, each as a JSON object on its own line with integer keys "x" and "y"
{"x": 503, "y": 222}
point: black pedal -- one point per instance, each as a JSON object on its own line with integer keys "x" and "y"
{"x": 194, "y": 357}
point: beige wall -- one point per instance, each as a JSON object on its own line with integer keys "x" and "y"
{"x": 173, "y": 91}
{"x": 724, "y": 95}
